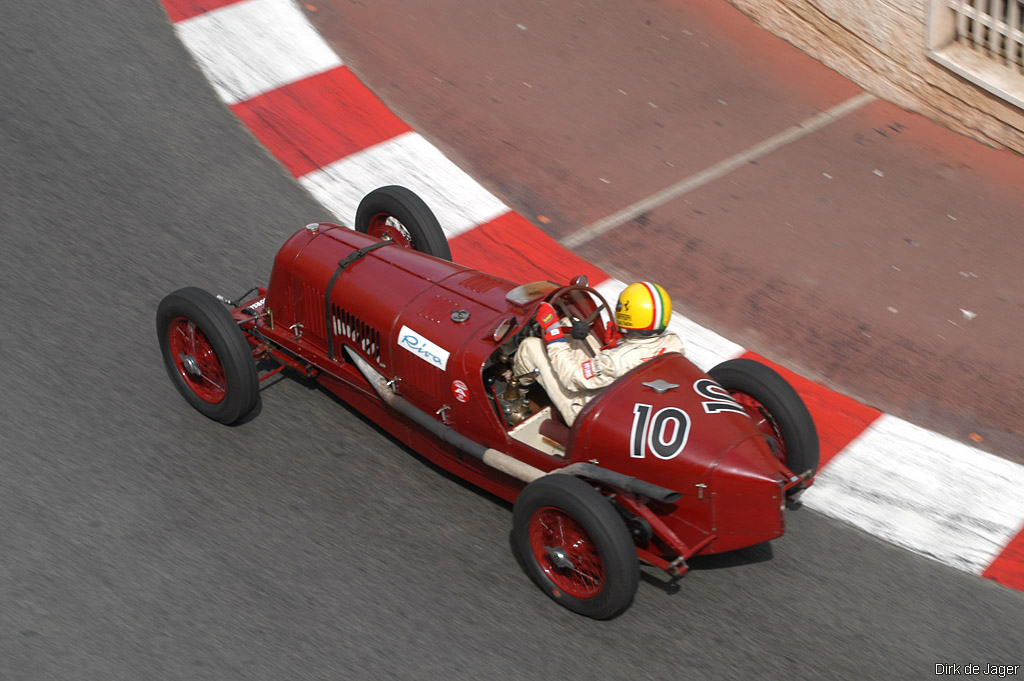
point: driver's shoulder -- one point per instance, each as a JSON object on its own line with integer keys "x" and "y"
{"x": 649, "y": 347}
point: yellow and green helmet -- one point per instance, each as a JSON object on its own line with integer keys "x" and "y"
{"x": 643, "y": 306}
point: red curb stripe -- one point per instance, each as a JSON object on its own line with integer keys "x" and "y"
{"x": 839, "y": 419}
{"x": 179, "y": 10}
{"x": 511, "y": 247}
{"x": 315, "y": 121}
{"x": 1008, "y": 567}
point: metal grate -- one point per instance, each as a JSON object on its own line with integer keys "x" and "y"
{"x": 995, "y": 26}
{"x": 359, "y": 334}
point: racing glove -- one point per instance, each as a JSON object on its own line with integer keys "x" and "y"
{"x": 549, "y": 326}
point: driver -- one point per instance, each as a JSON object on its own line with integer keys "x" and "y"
{"x": 572, "y": 373}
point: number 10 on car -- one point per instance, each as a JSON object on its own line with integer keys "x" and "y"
{"x": 664, "y": 433}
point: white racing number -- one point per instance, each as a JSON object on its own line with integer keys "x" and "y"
{"x": 664, "y": 433}
{"x": 719, "y": 398}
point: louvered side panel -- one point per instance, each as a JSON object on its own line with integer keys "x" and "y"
{"x": 313, "y": 313}
{"x": 357, "y": 334}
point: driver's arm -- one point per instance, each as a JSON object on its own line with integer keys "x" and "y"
{"x": 577, "y": 370}
{"x": 574, "y": 367}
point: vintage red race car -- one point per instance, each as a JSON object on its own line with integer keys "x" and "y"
{"x": 667, "y": 463}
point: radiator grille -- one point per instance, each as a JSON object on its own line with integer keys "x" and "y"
{"x": 357, "y": 333}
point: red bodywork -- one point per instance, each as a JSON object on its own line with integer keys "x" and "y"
{"x": 690, "y": 437}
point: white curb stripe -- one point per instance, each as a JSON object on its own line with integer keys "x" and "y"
{"x": 256, "y": 46}
{"x": 704, "y": 347}
{"x": 458, "y": 201}
{"x": 925, "y": 492}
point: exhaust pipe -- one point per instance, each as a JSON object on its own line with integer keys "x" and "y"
{"x": 500, "y": 460}
{"x": 492, "y": 457}
{"x": 626, "y": 482}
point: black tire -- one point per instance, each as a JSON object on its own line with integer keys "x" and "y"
{"x": 785, "y": 408}
{"x": 605, "y": 546}
{"x": 235, "y": 383}
{"x": 418, "y": 228}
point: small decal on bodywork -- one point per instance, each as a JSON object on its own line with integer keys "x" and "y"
{"x": 428, "y": 351}
{"x": 461, "y": 391}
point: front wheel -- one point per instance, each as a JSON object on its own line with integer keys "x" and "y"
{"x": 776, "y": 408}
{"x": 207, "y": 356}
{"x": 575, "y": 547}
{"x": 402, "y": 216}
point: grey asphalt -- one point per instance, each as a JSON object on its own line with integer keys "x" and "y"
{"x": 139, "y": 541}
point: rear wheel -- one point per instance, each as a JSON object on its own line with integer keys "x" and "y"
{"x": 776, "y": 408}
{"x": 575, "y": 547}
{"x": 401, "y": 215}
{"x": 206, "y": 355}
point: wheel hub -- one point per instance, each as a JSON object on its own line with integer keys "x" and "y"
{"x": 189, "y": 363}
{"x": 559, "y": 557}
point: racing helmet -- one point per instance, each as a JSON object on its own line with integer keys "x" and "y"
{"x": 643, "y": 309}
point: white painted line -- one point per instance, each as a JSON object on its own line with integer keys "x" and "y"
{"x": 704, "y": 347}
{"x": 253, "y": 47}
{"x": 458, "y": 201}
{"x": 925, "y": 492}
{"x": 716, "y": 171}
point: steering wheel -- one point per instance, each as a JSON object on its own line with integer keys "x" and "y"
{"x": 577, "y": 303}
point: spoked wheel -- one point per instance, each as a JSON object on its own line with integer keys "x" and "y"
{"x": 206, "y": 355}
{"x": 776, "y": 408}
{"x": 401, "y": 215}
{"x": 575, "y": 547}
{"x": 196, "y": 360}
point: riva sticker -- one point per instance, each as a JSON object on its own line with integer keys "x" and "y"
{"x": 428, "y": 351}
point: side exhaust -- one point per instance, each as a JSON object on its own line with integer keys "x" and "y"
{"x": 500, "y": 460}
{"x": 626, "y": 482}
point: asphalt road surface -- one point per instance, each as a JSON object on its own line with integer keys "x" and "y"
{"x": 140, "y": 541}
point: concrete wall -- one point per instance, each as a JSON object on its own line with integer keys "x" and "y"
{"x": 882, "y": 46}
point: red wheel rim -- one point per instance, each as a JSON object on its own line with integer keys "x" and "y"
{"x": 557, "y": 538}
{"x": 196, "y": 360}
{"x": 385, "y": 224}
{"x": 764, "y": 422}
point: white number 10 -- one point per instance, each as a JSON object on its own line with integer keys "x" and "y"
{"x": 664, "y": 435}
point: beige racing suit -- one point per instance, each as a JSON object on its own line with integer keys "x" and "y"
{"x": 572, "y": 376}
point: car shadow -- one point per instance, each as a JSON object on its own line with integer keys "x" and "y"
{"x": 262, "y": 365}
{"x": 758, "y": 553}
{"x": 750, "y": 555}
{"x": 311, "y": 384}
